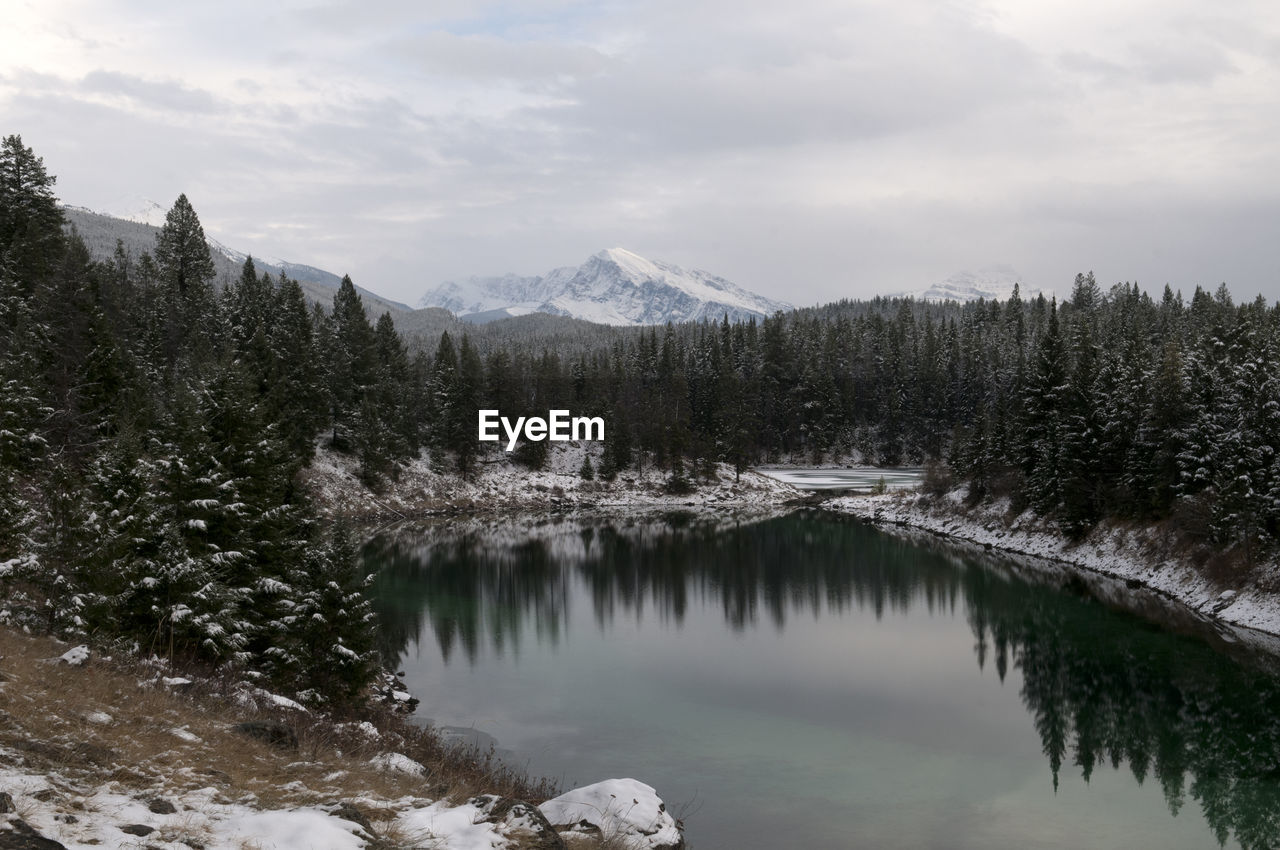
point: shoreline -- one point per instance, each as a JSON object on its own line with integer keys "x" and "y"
{"x": 1137, "y": 557}
{"x": 501, "y": 486}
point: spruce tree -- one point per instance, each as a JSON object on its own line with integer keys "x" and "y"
{"x": 30, "y": 220}
{"x": 182, "y": 251}
{"x": 352, "y": 364}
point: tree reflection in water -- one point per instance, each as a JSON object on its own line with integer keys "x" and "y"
{"x": 1102, "y": 687}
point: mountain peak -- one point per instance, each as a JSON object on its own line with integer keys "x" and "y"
{"x": 991, "y": 282}
{"x": 138, "y": 209}
{"x": 614, "y": 286}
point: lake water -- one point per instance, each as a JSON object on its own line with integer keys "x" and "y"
{"x": 854, "y": 478}
{"x": 809, "y": 681}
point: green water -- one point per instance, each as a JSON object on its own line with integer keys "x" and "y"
{"x": 808, "y": 681}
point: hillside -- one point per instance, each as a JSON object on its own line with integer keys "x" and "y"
{"x": 101, "y": 232}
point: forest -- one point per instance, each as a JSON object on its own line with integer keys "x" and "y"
{"x": 154, "y": 419}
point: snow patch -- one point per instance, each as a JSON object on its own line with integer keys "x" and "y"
{"x": 77, "y": 656}
{"x": 398, "y": 763}
{"x": 625, "y": 809}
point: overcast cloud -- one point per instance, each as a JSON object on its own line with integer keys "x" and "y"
{"x": 810, "y": 150}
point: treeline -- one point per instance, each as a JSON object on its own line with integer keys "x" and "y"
{"x": 151, "y": 432}
{"x": 1107, "y": 405}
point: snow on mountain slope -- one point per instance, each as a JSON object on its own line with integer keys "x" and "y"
{"x": 613, "y": 287}
{"x": 989, "y": 282}
{"x": 137, "y": 208}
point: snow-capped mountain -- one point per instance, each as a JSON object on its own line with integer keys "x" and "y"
{"x": 989, "y": 282}
{"x": 137, "y": 209}
{"x": 613, "y": 287}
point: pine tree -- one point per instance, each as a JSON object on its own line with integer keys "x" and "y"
{"x": 295, "y": 396}
{"x": 326, "y": 651}
{"x": 1042, "y": 461}
{"x": 182, "y": 251}
{"x": 352, "y": 364}
{"x": 30, "y": 220}
{"x": 185, "y": 270}
{"x": 467, "y": 392}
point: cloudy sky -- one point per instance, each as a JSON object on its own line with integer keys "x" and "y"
{"x": 809, "y": 150}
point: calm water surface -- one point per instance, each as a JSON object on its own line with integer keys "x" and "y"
{"x": 808, "y": 681}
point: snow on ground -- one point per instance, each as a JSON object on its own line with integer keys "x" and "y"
{"x": 112, "y": 816}
{"x": 501, "y": 484}
{"x": 1131, "y": 554}
{"x": 109, "y": 816}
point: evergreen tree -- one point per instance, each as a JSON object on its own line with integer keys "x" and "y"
{"x": 182, "y": 251}
{"x": 352, "y": 364}
{"x": 31, "y": 240}
{"x": 1041, "y": 461}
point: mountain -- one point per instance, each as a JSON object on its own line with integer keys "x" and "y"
{"x": 613, "y": 287}
{"x": 989, "y": 282}
{"x": 140, "y": 221}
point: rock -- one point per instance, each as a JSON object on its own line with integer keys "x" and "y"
{"x": 139, "y": 829}
{"x": 76, "y": 656}
{"x": 1224, "y": 600}
{"x": 518, "y": 815}
{"x": 617, "y": 808}
{"x": 23, "y": 837}
{"x": 6, "y": 803}
{"x": 161, "y": 806}
{"x": 398, "y": 763}
{"x": 273, "y": 732}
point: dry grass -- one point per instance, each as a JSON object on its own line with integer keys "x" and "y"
{"x": 49, "y": 725}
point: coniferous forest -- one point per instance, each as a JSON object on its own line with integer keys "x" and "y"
{"x": 154, "y": 420}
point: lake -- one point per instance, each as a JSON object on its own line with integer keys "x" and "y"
{"x": 809, "y": 681}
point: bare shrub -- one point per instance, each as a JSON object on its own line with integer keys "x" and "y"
{"x": 1192, "y": 517}
{"x": 938, "y": 479}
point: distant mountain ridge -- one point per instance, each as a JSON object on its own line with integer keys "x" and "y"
{"x": 995, "y": 282}
{"x": 137, "y": 229}
{"x": 613, "y": 287}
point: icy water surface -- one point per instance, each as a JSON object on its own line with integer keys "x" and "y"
{"x": 856, "y": 478}
{"x": 808, "y": 681}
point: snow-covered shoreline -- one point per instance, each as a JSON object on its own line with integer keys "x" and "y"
{"x": 502, "y": 485}
{"x": 1133, "y": 555}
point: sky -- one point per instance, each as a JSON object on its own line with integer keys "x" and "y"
{"x": 808, "y": 150}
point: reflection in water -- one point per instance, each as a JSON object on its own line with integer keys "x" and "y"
{"x": 1103, "y": 688}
